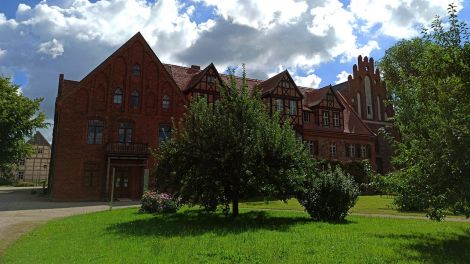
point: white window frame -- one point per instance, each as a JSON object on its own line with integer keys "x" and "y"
{"x": 333, "y": 149}
{"x": 292, "y": 107}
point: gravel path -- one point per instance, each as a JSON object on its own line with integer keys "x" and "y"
{"x": 21, "y": 211}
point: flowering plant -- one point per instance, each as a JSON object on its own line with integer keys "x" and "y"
{"x": 154, "y": 202}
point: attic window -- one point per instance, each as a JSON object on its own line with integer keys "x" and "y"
{"x": 210, "y": 79}
{"x": 166, "y": 102}
{"x": 285, "y": 84}
{"x": 136, "y": 70}
{"x": 117, "y": 96}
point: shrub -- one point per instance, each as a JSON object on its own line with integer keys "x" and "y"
{"x": 154, "y": 202}
{"x": 329, "y": 196}
{"x": 24, "y": 184}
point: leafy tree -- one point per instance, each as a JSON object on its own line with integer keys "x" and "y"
{"x": 19, "y": 118}
{"x": 230, "y": 150}
{"x": 429, "y": 83}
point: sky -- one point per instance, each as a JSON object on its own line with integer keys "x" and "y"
{"x": 318, "y": 41}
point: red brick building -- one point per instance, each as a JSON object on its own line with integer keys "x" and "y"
{"x": 112, "y": 117}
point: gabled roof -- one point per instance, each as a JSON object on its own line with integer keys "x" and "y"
{"x": 270, "y": 84}
{"x": 341, "y": 86}
{"x": 182, "y": 75}
{"x": 352, "y": 122}
{"x": 137, "y": 37}
{"x": 315, "y": 96}
{"x": 198, "y": 77}
{"x": 38, "y": 140}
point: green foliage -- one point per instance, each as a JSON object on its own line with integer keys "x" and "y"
{"x": 230, "y": 150}
{"x": 429, "y": 83}
{"x": 19, "y": 118}
{"x": 154, "y": 202}
{"x": 329, "y": 195}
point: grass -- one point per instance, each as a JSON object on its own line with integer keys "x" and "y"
{"x": 125, "y": 236}
{"x": 370, "y": 204}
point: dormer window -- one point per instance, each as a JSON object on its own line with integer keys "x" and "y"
{"x": 136, "y": 70}
{"x": 210, "y": 79}
{"x": 279, "y": 105}
{"x": 285, "y": 84}
{"x": 326, "y": 118}
{"x": 166, "y": 102}
{"x": 117, "y": 99}
{"x": 135, "y": 98}
{"x": 336, "y": 122}
{"x": 292, "y": 107}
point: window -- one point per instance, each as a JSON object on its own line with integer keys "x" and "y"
{"x": 166, "y": 102}
{"x": 368, "y": 97}
{"x": 293, "y": 107}
{"x": 312, "y": 147}
{"x": 359, "y": 106}
{"x": 117, "y": 99}
{"x": 21, "y": 163}
{"x": 20, "y": 175}
{"x": 40, "y": 150}
{"x": 326, "y": 118}
{"x": 285, "y": 84}
{"x": 210, "y": 79}
{"x": 329, "y": 98}
{"x": 135, "y": 98}
{"x": 164, "y": 132}
{"x": 136, "y": 70}
{"x": 125, "y": 132}
{"x": 336, "y": 122}
{"x": 363, "y": 151}
{"x": 333, "y": 149}
{"x": 90, "y": 174}
{"x": 95, "y": 132}
{"x": 306, "y": 117}
{"x": 279, "y": 105}
{"x": 351, "y": 150}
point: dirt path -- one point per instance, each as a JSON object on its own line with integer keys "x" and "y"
{"x": 21, "y": 211}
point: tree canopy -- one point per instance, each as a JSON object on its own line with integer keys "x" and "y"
{"x": 428, "y": 79}
{"x": 229, "y": 150}
{"x": 19, "y": 117}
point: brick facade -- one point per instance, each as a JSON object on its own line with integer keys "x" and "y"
{"x": 108, "y": 121}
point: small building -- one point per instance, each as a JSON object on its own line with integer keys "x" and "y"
{"x": 34, "y": 168}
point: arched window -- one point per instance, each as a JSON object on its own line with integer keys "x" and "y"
{"x": 379, "y": 111}
{"x": 136, "y": 70}
{"x": 359, "y": 106}
{"x": 95, "y": 132}
{"x": 166, "y": 102}
{"x": 117, "y": 99}
{"x": 369, "y": 110}
{"x": 125, "y": 132}
{"x": 135, "y": 98}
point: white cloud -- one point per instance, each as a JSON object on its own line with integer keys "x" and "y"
{"x": 294, "y": 34}
{"x": 400, "y": 18}
{"x": 259, "y": 13}
{"x": 342, "y": 77}
{"x": 311, "y": 80}
{"x": 53, "y": 48}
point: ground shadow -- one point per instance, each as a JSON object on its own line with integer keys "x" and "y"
{"x": 194, "y": 223}
{"x": 437, "y": 248}
{"x": 15, "y": 199}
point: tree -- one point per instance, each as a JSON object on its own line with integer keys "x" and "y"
{"x": 429, "y": 83}
{"x": 19, "y": 117}
{"x": 231, "y": 150}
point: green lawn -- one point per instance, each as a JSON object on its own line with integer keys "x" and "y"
{"x": 371, "y": 204}
{"x": 125, "y": 236}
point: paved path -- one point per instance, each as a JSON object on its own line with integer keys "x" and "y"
{"x": 21, "y": 211}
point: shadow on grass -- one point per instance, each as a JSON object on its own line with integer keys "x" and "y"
{"x": 438, "y": 248}
{"x": 195, "y": 223}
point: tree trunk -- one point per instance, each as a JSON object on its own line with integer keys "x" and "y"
{"x": 235, "y": 204}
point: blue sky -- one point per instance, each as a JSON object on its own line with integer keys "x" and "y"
{"x": 318, "y": 41}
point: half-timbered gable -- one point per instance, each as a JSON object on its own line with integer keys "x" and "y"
{"x": 205, "y": 84}
{"x": 326, "y": 111}
{"x": 281, "y": 94}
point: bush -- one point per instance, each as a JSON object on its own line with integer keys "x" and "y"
{"x": 24, "y": 184}
{"x": 154, "y": 202}
{"x": 329, "y": 196}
